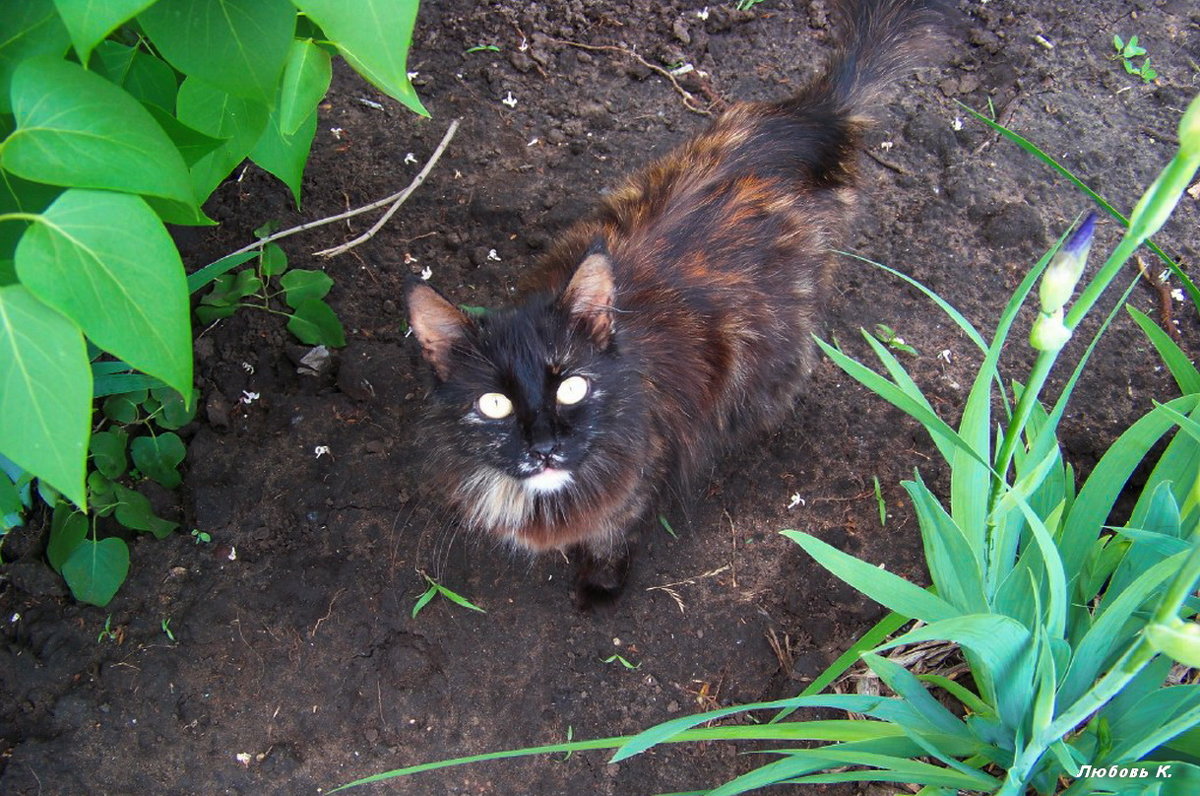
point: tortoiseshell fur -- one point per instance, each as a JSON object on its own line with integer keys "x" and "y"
{"x": 687, "y": 300}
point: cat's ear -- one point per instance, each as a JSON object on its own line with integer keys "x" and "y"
{"x": 436, "y": 322}
{"x": 588, "y": 297}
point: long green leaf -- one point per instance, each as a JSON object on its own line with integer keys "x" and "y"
{"x": 123, "y": 284}
{"x": 79, "y": 130}
{"x": 1181, "y": 368}
{"x": 880, "y": 585}
{"x": 954, "y": 566}
{"x": 45, "y": 392}
{"x": 202, "y": 277}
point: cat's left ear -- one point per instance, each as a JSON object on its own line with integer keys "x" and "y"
{"x": 588, "y": 298}
{"x": 437, "y": 324}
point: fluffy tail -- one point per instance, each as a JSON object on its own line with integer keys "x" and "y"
{"x": 882, "y": 40}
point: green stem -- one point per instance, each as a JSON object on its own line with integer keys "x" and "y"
{"x": 1101, "y": 281}
{"x": 19, "y": 217}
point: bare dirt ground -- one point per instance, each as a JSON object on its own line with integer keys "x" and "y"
{"x": 294, "y": 644}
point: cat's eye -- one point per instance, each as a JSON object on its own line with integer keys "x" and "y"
{"x": 572, "y": 390}
{"x": 494, "y": 405}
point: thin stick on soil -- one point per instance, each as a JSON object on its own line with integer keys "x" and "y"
{"x": 395, "y": 200}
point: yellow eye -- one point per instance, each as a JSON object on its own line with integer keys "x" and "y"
{"x": 572, "y": 390}
{"x": 494, "y": 405}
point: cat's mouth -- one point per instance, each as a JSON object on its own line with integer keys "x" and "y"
{"x": 547, "y": 481}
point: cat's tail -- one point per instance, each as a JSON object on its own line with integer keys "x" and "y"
{"x": 881, "y": 40}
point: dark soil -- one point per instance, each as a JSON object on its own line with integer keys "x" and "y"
{"x": 296, "y": 664}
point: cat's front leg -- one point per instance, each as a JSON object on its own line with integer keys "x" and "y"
{"x": 601, "y": 568}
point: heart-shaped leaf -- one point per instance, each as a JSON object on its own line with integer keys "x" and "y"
{"x": 108, "y": 452}
{"x": 134, "y": 511}
{"x": 95, "y": 570}
{"x": 159, "y": 456}
{"x": 68, "y": 528}
{"x": 306, "y": 78}
{"x": 89, "y": 21}
{"x": 175, "y": 413}
{"x": 123, "y": 408}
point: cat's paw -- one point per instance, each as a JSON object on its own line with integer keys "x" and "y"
{"x": 599, "y": 582}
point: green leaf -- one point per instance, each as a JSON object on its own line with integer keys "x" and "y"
{"x": 77, "y": 129}
{"x": 208, "y": 273}
{"x": 880, "y": 585}
{"x": 1005, "y": 655}
{"x": 123, "y": 407}
{"x": 301, "y": 285}
{"x": 1182, "y": 370}
{"x": 20, "y": 196}
{"x": 133, "y": 510}
{"x": 89, "y": 22}
{"x": 148, "y": 79}
{"x": 1178, "y": 639}
{"x": 68, "y": 528}
{"x": 108, "y": 453}
{"x": 954, "y": 566}
{"x": 306, "y": 78}
{"x": 285, "y": 155}
{"x": 221, "y": 115}
{"x": 238, "y": 46}
{"x": 424, "y": 599}
{"x": 95, "y": 570}
{"x": 46, "y": 400}
{"x": 273, "y": 260}
{"x": 316, "y": 324}
{"x": 373, "y": 36}
{"x": 175, "y": 412}
{"x": 31, "y": 28}
{"x": 158, "y": 457}
{"x": 192, "y": 144}
{"x": 123, "y": 284}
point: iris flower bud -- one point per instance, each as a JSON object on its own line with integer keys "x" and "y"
{"x": 1049, "y": 333}
{"x": 1058, "y": 283}
{"x": 1156, "y": 205}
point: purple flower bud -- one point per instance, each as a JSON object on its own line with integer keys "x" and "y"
{"x": 1058, "y": 283}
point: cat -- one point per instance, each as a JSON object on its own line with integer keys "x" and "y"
{"x": 673, "y": 322}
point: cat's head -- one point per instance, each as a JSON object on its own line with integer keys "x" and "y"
{"x": 524, "y": 393}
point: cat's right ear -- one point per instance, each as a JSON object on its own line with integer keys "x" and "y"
{"x": 436, "y": 322}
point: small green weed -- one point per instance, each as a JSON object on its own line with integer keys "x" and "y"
{"x": 662, "y": 520}
{"x": 436, "y": 589}
{"x": 887, "y": 335}
{"x": 1127, "y": 52}
{"x": 746, "y": 5}
{"x": 109, "y": 633}
{"x": 200, "y": 537}
{"x": 879, "y": 502}
{"x": 166, "y": 629}
{"x": 623, "y": 661}
{"x": 482, "y": 48}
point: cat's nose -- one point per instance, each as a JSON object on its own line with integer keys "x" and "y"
{"x": 544, "y": 449}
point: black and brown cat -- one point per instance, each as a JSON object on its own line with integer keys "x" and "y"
{"x": 672, "y": 322}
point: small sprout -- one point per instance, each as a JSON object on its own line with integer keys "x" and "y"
{"x": 482, "y": 48}
{"x": 746, "y": 5}
{"x": 622, "y": 660}
{"x": 436, "y": 589}
{"x": 886, "y": 335}
{"x": 200, "y": 537}
{"x": 662, "y": 520}
{"x": 509, "y": 100}
{"x": 166, "y": 628}
{"x": 796, "y": 501}
{"x": 570, "y": 737}
{"x": 109, "y": 633}
{"x": 1127, "y": 51}
{"x": 880, "y": 503}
